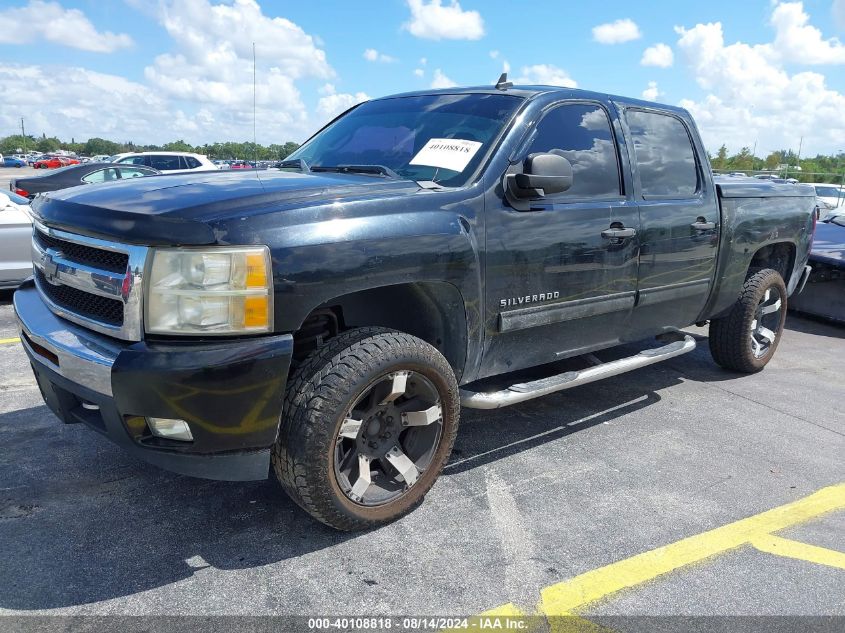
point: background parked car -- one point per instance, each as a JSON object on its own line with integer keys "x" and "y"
{"x": 829, "y": 196}
{"x": 88, "y": 173}
{"x": 824, "y": 294}
{"x": 13, "y": 161}
{"x": 54, "y": 162}
{"x": 168, "y": 162}
{"x": 15, "y": 238}
{"x": 100, "y": 158}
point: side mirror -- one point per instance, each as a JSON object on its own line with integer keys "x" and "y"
{"x": 542, "y": 174}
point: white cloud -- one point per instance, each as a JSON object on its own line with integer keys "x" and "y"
{"x": 546, "y": 75}
{"x": 659, "y": 55}
{"x": 331, "y": 105}
{"x": 51, "y": 22}
{"x": 440, "y": 80}
{"x": 372, "y": 55}
{"x": 91, "y": 104}
{"x": 211, "y": 64}
{"x": 494, "y": 54}
{"x": 200, "y": 91}
{"x": 651, "y": 93}
{"x": 799, "y": 42}
{"x": 423, "y": 61}
{"x": 433, "y": 21}
{"x": 419, "y": 72}
{"x": 618, "y": 32}
{"x": 506, "y": 66}
{"x": 750, "y": 96}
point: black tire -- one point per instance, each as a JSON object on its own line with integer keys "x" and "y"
{"x": 734, "y": 339}
{"x": 320, "y": 393}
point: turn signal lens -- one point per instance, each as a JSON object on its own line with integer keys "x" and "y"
{"x": 256, "y": 271}
{"x": 256, "y": 312}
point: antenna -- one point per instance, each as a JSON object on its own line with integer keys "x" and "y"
{"x": 503, "y": 83}
{"x": 254, "y": 137}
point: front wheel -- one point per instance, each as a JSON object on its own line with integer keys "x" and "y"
{"x": 369, "y": 422}
{"x": 746, "y": 339}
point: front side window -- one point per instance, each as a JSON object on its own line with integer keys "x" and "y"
{"x": 133, "y": 160}
{"x": 101, "y": 175}
{"x": 410, "y": 136}
{"x": 165, "y": 163}
{"x": 581, "y": 133}
{"x": 665, "y": 157}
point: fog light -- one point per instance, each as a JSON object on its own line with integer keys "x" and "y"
{"x": 170, "y": 429}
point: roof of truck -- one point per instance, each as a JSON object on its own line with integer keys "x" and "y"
{"x": 529, "y": 92}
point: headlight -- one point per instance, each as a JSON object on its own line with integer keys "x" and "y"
{"x": 225, "y": 290}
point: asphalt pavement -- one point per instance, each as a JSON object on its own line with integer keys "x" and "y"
{"x": 536, "y": 496}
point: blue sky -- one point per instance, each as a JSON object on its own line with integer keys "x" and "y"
{"x": 767, "y": 72}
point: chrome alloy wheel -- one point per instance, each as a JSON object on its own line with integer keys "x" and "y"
{"x": 765, "y": 323}
{"x": 387, "y": 438}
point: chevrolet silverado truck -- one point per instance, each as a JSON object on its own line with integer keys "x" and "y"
{"x": 324, "y": 322}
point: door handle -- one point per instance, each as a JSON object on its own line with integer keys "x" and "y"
{"x": 702, "y": 225}
{"x": 614, "y": 233}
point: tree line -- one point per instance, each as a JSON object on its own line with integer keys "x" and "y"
{"x": 95, "y": 146}
{"x": 831, "y": 166}
{"x": 821, "y": 168}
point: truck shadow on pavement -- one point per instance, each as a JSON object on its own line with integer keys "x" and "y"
{"x": 83, "y": 522}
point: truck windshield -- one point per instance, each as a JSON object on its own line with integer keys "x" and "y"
{"x": 410, "y": 136}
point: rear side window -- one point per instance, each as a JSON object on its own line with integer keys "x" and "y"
{"x": 192, "y": 162}
{"x": 101, "y": 175}
{"x": 665, "y": 157}
{"x": 165, "y": 163}
{"x": 581, "y": 132}
{"x": 132, "y": 172}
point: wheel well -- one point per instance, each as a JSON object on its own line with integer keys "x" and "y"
{"x": 431, "y": 311}
{"x": 779, "y": 257}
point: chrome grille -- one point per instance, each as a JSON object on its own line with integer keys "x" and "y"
{"x": 83, "y": 303}
{"x": 95, "y": 283}
{"x": 96, "y": 257}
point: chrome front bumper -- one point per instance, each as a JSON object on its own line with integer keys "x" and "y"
{"x": 82, "y": 356}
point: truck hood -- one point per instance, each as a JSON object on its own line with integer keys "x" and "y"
{"x": 181, "y": 208}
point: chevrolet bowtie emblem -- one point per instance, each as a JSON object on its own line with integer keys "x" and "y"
{"x": 49, "y": 267}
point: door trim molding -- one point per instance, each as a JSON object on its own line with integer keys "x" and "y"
{"x": 673, "y": 292}
{"x": 536, "y": 316}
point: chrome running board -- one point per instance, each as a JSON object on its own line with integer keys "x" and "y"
{"x": 544, "y": 386}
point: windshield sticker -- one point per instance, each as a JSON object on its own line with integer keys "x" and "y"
{"x": 448, "y": 153}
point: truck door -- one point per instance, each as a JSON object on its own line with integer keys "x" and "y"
{"x": 679, "y": 222}
{"x": 557, "y": 283}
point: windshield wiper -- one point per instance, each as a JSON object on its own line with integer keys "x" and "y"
{"x": 378, "y": 170}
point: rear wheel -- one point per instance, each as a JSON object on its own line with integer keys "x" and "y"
{"x": 746, "y": 339}
{"x": 370, "y": 419}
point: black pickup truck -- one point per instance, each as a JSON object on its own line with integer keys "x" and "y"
{"x": 327, "y": 320}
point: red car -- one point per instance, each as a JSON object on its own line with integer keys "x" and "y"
{"x": 55, "y": 161}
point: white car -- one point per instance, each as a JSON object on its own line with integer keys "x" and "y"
{"x": 829, "y": 196}
{"x": 167, "y": 162}
{"x": 15, "y": 240}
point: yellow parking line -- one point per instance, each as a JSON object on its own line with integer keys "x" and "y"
{"x": 802, "y": 551}
{"x": 8, "y": 341}
{"x": 562, "y": 598}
